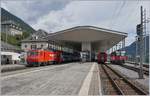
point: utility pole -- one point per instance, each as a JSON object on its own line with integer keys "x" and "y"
{"x": 145, "y": 34}
{"x": 6, "y": 35}
{"x": 140, "y": 41}
{"x": 136, "y": 54}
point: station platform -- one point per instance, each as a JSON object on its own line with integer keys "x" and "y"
{"x": 64, "y": 79}
{"x": 12, "y": 67}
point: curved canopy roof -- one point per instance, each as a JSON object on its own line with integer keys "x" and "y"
{"x": 99, "y": 37}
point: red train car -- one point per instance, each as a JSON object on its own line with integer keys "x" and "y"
{"x": 101, "y": 57}
{"x": 118, "y": 57}
{"x": 43, "y": 57}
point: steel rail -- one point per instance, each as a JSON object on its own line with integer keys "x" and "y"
{"x": 119, "y": 91}
{"x": 146, "y": 72}
{"x": 125, "y": 80}
{"x": 144, "y": 65}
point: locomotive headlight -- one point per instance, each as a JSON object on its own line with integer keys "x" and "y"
{"x": 52, "y": 55}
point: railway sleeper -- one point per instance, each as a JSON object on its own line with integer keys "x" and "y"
{"x": 119, "y": 91}
{"x": 141, "y": 92}
{"x": 136, "y": 69}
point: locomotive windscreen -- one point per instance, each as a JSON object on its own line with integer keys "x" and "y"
{"x": 33, "y": 53}
{"x": 120, "y": 53}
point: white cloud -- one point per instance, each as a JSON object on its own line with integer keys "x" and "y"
{"x": 76, "y": 13}
{"x": 105, "y": 14}
{"x": 31, "y": 10}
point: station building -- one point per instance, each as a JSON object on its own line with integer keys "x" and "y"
{"x": 38, "y": 40}
{"x": 35, "y": 41}
{"x": 11, "y": 28}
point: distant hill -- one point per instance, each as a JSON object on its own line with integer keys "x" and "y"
{"x": 15, "y": 40}
{"x": 6, "y": 16}
{"x": 131, "y": 49}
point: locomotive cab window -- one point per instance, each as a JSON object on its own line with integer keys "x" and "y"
{"x": 33, "y": 53}
{"x": 122, "y": 53}
{"x": 113, "y": 54}
{"x": 118, "y": 53}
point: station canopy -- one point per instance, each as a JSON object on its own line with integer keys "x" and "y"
{"x": 97, "y": 39}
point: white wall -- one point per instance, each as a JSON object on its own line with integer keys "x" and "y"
{"x": 38, "y": 44}
{"x": 15, "y": 32}
{"x": 86, "y": 46}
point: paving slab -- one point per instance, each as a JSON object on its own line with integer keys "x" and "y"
{"x": 95, "y": 85}
{"x": 64, "y": 79}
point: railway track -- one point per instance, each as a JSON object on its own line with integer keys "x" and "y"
{"x": 145, "y": 70}
{"x": 144, "y": 65}
{"x": 115, "y": 84}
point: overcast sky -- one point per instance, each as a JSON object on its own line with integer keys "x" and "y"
{"x": 55, "y": 15}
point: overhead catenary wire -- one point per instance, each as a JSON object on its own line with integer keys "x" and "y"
{"x": 116, "y": 7}
{"x": 131, "y": 14}
{"x": 116, "y": 14}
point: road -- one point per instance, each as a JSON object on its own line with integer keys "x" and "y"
{"x": 64, "y": 79}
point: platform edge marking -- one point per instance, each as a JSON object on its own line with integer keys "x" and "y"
{"x": 86, "y": 84}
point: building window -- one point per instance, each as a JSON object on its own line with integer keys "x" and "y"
{"x": 33, "y": 46}
{"x": 34, "y": 37}
{"x": 42, "y": 45}
{"x": 25, "y": 46}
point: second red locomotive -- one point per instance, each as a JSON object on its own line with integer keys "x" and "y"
{"x": 118, "y": 57}
{"x": 102, "y": 57}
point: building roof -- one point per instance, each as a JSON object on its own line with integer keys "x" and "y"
{"x": 89, "y": 27}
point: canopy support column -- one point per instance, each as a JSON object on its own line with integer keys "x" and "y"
{"x": 86, "y": 46}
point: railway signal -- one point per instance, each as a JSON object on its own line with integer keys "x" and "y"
{"x": 139, "y": 29}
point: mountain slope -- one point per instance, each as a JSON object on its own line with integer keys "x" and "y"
{"x": 131, "y": 49}
{"x": 6, "y": 16}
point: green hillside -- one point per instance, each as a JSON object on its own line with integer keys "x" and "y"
{"x": 14, "y": 40}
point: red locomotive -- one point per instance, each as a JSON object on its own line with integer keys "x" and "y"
{"x": 118, "y": 57}
{"x": 101, "y": 57}
{"x": 43, "y": 57}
